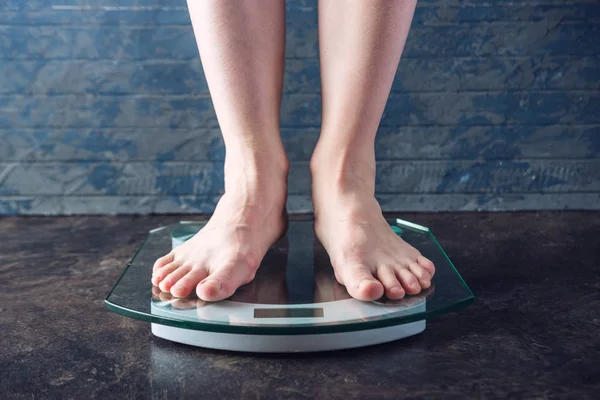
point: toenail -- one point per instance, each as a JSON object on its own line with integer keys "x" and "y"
{"x": 212, "y": 282}
{"x": 364, "y": 283}
{"x": 396, "y": 290}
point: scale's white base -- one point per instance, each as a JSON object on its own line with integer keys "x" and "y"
{"x": 287, "y": 343}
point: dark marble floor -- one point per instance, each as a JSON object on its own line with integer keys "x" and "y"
{"x": 532, "y": 333}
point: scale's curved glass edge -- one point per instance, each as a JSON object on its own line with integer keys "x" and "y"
{"x": 453, "y": 267}
{"x": 215, "y": 326}
{"x": 426, "y": 229}
{"x": 287, "y": 330}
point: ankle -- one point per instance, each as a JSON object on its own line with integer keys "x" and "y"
{"x": 256, "y": 176}
{"x": 258, "y": 153}
{"x": 257, "y": 159}
{"x": 343, "y": 170}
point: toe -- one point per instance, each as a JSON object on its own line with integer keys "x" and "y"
{"x": 224, "y": 281}
{"x": 211, "y": 290}
{"x": 409, "y": 281}
{"x": 164, "y": 260}
{"x": 186, "y": 285}
{"x": 369, "y": 289}
{"x": 427, "y": 264}
{"x": 393, "y": 289}
{"x": 171, "y": 279}
{"x": 360, "y": 283}
{"x": 421, "y": 274}
{"x": 160, "y": 274}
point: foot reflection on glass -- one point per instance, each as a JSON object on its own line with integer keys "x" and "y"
{"x": 179, "y": 303}
{"x": 268, "y": 287}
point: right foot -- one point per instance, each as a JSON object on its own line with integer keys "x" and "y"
{"x": 367, "y": 256}
{"x": 226, "y": 253}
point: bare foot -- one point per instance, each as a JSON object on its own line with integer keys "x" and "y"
{"x": 368, "y": 257}
{"x": 227, "y": 252}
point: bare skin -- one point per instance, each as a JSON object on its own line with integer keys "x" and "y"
{"x": 360, "y": 44}
{"x": 241, "y": 44}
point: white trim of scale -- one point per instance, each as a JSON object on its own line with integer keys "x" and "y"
{"x": 227, "y": 312}
{"x": 287, "y": 343}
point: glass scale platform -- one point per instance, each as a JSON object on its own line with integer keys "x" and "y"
{"x": 293, "y": 305}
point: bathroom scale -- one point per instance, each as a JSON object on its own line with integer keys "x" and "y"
{"x": 294, "y": 304}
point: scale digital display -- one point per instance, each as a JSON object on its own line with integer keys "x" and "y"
{"x": 289, "y": 313}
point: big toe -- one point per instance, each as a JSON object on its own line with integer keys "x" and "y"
{"x": 211, "y": 289}
{"x": 224, "y": 281}
{"x": 369, "y": 289}
{"x": 360, "y": 283}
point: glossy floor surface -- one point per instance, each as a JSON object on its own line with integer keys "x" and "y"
{"x": 532, "y": 332}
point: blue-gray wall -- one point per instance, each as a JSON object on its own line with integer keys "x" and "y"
{"x": 104, "y": 108}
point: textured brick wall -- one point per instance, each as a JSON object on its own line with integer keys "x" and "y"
{"x": 104, "y": 108}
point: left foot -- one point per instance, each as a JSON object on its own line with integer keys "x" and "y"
{"x": 368, "y": 257}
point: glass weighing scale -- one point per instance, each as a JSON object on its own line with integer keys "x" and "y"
{"x": 293, "y": 305}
